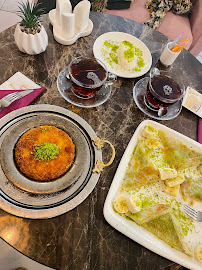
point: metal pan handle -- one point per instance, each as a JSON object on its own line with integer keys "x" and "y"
{"x": 99, "y": 166}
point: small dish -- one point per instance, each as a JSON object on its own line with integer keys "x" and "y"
{"x": 67, "y": 92}
{"x": 139, "y": 95}
{"x": 117, "y": 38}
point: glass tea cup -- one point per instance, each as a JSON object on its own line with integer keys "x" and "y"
{"x": 163, "y": 90}
{"x": 88, "y": 76}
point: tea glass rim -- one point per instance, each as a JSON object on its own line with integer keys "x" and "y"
{"x": 83, "y": 84}
{"x": 163, "y": 99}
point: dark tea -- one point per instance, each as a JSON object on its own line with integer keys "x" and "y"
{"x": 87, "y": 76}
{"x": 162, "y": 91}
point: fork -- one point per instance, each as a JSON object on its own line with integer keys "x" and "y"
{"x": 193, "y": 213}
{"x": 10, "y": 98}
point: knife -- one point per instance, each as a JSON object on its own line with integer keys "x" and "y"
{"x": 10, "y": 98}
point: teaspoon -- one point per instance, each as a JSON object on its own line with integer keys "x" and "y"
{"x": 162, "y": 111}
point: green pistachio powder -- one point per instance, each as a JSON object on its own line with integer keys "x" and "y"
{"x": 146, "y": 201}
{"x": 129, "y": 54}
{"x": 46, "y": 151}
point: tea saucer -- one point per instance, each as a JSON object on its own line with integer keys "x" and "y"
{"x": 66, "y": 90}
{"x": 139, "y": 94}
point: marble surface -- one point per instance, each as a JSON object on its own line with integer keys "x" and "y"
{"x": 10, "y": 258}
{"x": 81, "y": 238}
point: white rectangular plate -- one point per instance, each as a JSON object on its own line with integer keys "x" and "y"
{"x": 130, "y": 228}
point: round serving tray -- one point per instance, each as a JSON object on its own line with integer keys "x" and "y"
{"x": 82, "y": 154}
{"x": 24, "y": 197}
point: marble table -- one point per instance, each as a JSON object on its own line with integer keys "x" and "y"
{"x": 81, "y": 238}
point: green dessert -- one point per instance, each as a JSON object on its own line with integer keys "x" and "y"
{"x": 162, "y": 174}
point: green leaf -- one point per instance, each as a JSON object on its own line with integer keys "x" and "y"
{"x": 30, "y": 13}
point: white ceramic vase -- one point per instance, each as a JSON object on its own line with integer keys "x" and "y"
{"x": 29, "y": 43}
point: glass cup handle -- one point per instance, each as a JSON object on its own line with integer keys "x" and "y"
{"x": 111, "y": 78}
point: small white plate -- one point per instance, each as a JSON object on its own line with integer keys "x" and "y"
{"x": 118, "y": 37}
{"x": 130, "y": 228}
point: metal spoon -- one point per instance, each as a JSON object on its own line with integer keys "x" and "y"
{"x": 162, "y": 111}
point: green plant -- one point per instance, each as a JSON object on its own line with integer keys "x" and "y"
{"x": 30, "y": 14}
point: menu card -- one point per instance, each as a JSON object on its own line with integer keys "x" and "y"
{"x": 193, "y": 101}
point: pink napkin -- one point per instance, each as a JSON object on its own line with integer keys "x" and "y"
{"x": 200, "y": 131}
{"x": 22, "y": 102}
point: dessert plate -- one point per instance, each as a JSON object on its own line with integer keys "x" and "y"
{"x": 65, "y": 181}
{"x": 23, "y": 197}
{"x": 102, "y": 52}
{"x": 129, "y": 227}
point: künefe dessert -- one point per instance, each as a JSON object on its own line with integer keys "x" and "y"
{"x": 44, "y": 153}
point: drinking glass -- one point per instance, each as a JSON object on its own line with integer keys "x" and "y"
{"x": 88, "y": 76}
{"x": 163, "y": 90}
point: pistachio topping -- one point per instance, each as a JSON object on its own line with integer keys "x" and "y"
{"x": 109, "y": 52}
{"x": 129, "y": 53}
{"x": 45, "y": 151}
